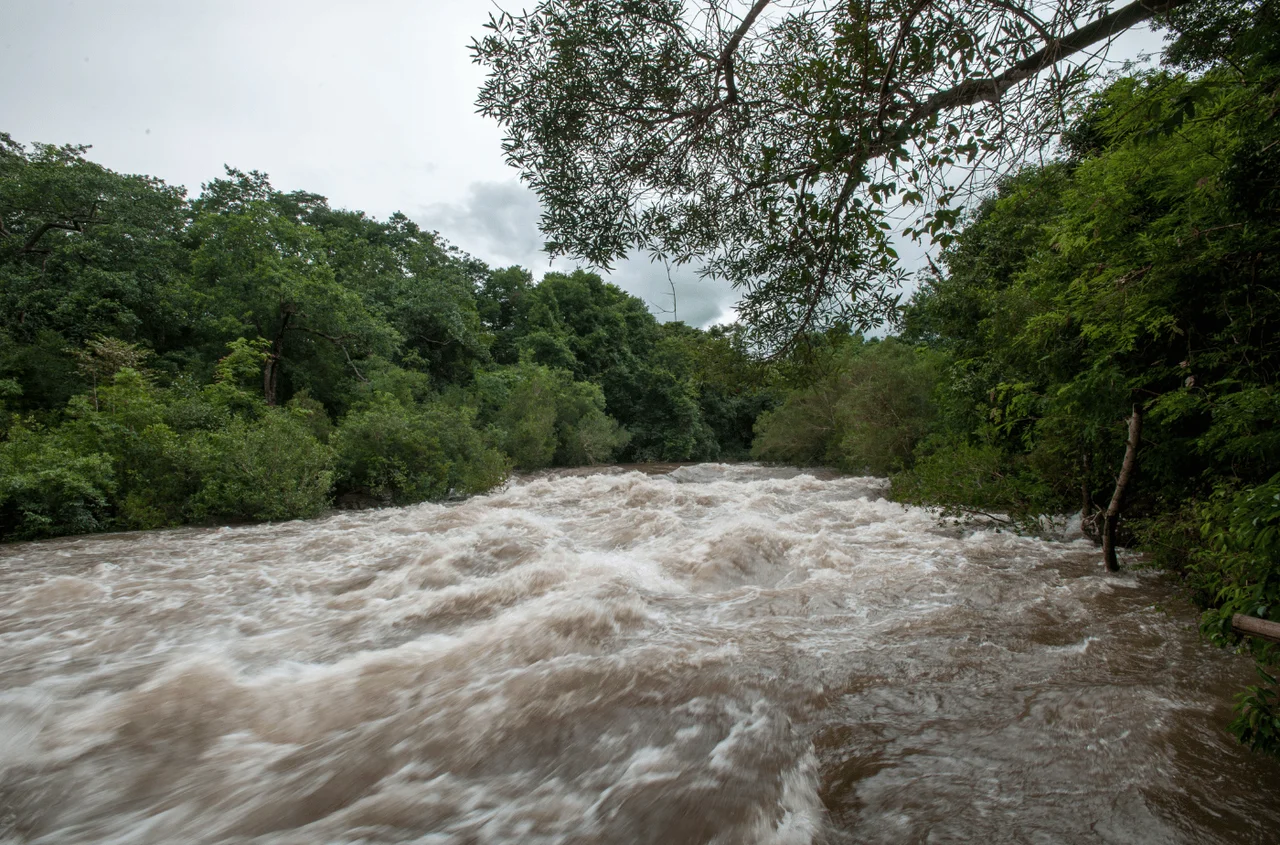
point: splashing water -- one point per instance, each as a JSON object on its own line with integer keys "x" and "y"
{"x": 720, "y": 654}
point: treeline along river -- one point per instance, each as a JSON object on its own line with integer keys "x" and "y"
{"x": 725, "y": 654}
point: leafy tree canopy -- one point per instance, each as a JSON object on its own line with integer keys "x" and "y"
{"x": 775, "y": 143}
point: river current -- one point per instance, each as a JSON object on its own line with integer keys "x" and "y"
{"x": 717, "y": 654}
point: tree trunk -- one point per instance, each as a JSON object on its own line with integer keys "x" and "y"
{"x": 271, "y": 370}
{"x": 1252, "y": 626}
{"x": 1112, "y": 515}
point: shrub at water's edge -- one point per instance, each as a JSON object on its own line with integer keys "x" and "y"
{"x": 402, "y": 454}
{"x": 863, "y": 409}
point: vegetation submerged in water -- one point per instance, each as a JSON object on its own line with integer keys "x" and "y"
{"x": 253, "y": 354}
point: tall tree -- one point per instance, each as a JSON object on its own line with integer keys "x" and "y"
{"x": 600, "y": 333}
{"x": 266, "y": 274}
{"x": 775, "y": 143}
{"x": 85, "y": 250}
{"x": 415, "y": 281}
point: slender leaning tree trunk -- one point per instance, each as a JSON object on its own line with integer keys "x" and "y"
{"x": 1112, "y": 515}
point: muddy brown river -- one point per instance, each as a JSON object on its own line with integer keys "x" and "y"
{"x": 718, "y": 654}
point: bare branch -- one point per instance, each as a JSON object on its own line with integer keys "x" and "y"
{"x": 43, "y": 229}
{"x": 725, "y": 64}
{"x": 338, "y": 341}
{"x": 907, "y": 20}
{"x": 738, "y": 34}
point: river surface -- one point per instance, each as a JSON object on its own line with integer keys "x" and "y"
{"x": 719, "y": 654}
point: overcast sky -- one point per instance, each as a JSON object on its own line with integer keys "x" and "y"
{"x": 369, "y": 103}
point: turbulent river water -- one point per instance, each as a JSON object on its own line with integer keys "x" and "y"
{"x": 717, "y": 654}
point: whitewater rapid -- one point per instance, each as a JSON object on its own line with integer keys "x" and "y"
{"x": 718, "y": 654}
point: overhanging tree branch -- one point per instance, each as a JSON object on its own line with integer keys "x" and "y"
{"x": 776, "y": 150}
{"x": 973, "y": 91}
{"x": 45, "y": 228}
{"x": 735, "y": 40}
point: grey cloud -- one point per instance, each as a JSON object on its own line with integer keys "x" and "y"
{"x": 369, "y": 104}
{"x": 698, "y": 302}
{"x": 498, "y": 222}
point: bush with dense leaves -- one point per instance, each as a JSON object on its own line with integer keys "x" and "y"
{"x": 1237, "y": 568}
{"x": 127, "y": 420}
{"x": 865, "y": 414}
{"x": 47, "y": 487}
{"x": 540, "y": 416}
{"x": 272, "y": 468}
{"x": 411, "y": 453}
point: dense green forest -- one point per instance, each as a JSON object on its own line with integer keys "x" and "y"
{"x": 251, "y": 354}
